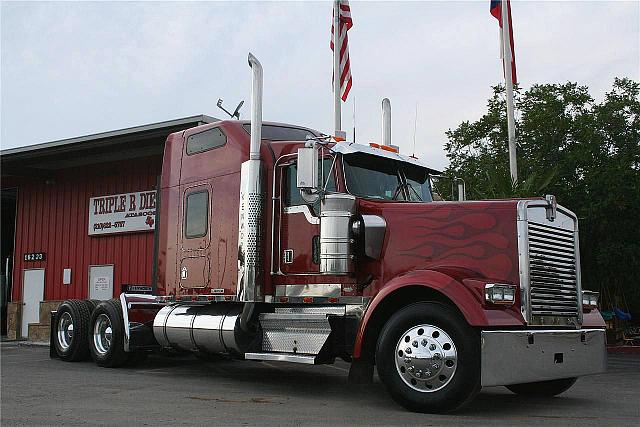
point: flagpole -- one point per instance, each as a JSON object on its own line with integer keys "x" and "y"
{"x": 336, "y": 66}
{"x": 508, "y": 77}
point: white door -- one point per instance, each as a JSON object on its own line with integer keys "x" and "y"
{"x": 101, "y": 282}
{"x": 32, "y": 294}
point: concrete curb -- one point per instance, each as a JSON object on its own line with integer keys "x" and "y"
{"x": 33, "y": 344}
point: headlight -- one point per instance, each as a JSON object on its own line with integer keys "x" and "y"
{"x": 589, "y": 300}
{"x": 500, "y": 293}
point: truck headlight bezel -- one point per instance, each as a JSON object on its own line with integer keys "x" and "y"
{"x": 590, "y": 300}
{"x": 500, "y": 293}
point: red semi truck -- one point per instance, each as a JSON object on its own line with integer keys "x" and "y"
{"x": 275, "y": 242}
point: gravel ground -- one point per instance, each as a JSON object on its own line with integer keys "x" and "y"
{"x": 187, "y": 391}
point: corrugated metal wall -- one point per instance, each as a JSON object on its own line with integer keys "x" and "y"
{"x": 52, "y": 217}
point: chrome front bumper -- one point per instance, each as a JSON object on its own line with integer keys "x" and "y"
{"x": 515, "y": 357}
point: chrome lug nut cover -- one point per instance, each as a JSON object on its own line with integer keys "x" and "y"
{"x": 421, "y": 369}
{"x": 65, "y": 331}
{"x": 102, "y": 334}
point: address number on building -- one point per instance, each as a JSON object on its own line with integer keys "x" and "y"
{"x": 35, "y": 256}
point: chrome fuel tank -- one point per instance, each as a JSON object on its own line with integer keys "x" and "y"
{"x": 211, "y": 328}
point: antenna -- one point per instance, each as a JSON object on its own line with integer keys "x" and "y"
{"x": 235, "y": 114}
{"x": 415, "y": 125}
{"x": 354, "y": 118}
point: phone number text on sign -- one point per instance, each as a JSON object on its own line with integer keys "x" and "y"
{"x": 122, "y": 213}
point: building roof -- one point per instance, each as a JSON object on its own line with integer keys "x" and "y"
{"x": 137, "y": 141}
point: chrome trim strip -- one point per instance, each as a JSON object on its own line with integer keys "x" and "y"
{"x": 125, "y": 320}
{"x": 309, "y": 290}
{"x": 356, "y": 301}
{"x": 281, "y": 357}
{"x": 305, "y": 210}
{"x": 274, "y": 173}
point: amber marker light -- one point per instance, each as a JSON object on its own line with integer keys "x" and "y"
{"x": 389, "y": 148}
{"x": 590, "y": 300}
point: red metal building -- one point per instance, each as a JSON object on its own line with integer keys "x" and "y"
{"x": 54, "y": 244}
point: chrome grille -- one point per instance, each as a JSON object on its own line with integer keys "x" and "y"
{"x": 552, "y": 271}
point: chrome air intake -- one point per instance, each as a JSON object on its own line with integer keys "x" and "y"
{"x": 336, "y": 246}
{"x": 210, "y": 328}
{"x": 549, "y": 263}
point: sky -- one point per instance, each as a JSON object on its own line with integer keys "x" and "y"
{"x": 74, "y": 68}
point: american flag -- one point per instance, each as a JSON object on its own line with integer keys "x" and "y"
{"x": 496, "y": 10}
{"x": 345, "y": 68}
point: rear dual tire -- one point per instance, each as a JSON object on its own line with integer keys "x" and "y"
{"x": 71, "y": 330}
{"x": 106, "y": 336}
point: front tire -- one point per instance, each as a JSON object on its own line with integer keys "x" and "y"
{"x": 543, "y": 388}
{"x": 106, "y": 337}
{"x": 71, "y": 330}
{"x": 429, "y": 358}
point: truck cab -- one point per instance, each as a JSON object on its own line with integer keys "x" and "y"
{"x": 277, "y": 242}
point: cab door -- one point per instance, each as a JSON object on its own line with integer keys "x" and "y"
{"x": 195, "y": 214}
{"x": 300, "y": 222}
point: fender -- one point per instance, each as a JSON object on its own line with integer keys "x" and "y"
{"x": 593, "y": 319}
{"x": 468, "y": 298}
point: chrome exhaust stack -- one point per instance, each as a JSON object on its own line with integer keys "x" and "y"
{"x": 386, "y": 122}
{"x": 251, "y": 202}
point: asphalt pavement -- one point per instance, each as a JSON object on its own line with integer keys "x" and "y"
{"x": 184, "y": 390}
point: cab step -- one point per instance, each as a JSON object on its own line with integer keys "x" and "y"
{"x": 294, "y": 332}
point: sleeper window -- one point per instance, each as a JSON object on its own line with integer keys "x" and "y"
{"x": 204, "y": 141}
{"x": 196, "y": 214}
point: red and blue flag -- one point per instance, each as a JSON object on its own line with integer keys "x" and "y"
{"x": 496, "y": 10}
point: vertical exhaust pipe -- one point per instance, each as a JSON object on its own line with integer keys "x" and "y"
{"x": 386, "y": 122}
{"x": 256, "y": 108}
{"x": 251, "y": 210}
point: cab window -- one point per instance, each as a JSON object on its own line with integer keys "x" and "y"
{"x": 291, "y": 194}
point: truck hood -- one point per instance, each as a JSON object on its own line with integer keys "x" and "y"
{"x": 475, "y": 239}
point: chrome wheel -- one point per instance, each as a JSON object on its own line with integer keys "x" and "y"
{"x": 426, "y": 358}
{"x": 102, "y": 334}
{"x": 65, "y": 331}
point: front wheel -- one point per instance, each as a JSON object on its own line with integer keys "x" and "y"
{"x": 543, "y": 388}
{"x": 429, "y": 358}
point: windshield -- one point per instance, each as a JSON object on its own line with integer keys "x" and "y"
{"x": 376, "y": 177}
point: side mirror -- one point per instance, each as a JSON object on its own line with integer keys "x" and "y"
{"x": 307, "y": 168}
{"x": 307, "y": 178}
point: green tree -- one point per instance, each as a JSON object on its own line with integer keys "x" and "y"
{"x": 585, "y": 152}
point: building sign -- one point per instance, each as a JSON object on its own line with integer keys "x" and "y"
{"x": 122, "y": 213}
{"x": 35, "y": 256}
{"x": 101, "y": 284}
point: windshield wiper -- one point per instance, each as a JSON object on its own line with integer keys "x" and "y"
{"x": 414, "y": 191}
